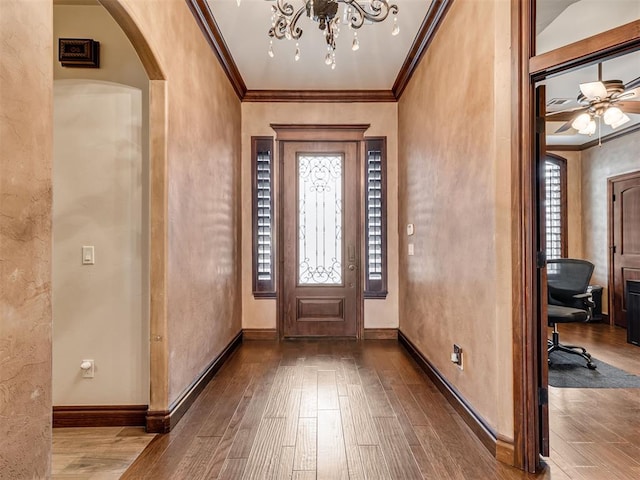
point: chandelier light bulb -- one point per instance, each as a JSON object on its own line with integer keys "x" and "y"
{"x": 612, "y": 115}
{"x": 581, "y": 122}
{"x": 396, "y": 27}
{"x": 270, "y": 52}
{"x": 356, "y": 43}
{"x": 238, "y": 2}
{"x": 297, "y": 55}
{"x": 327, "y": 59}
{"x": 590, "y": 129}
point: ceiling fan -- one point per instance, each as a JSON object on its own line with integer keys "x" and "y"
{"x": 609, "y": 101}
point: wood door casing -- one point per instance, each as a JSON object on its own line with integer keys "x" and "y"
{"x": 624, "y": 208}
{"x": 321, "y": 310}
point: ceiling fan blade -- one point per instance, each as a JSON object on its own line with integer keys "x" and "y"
{"x": 628, "y": 94}
{"x": 564, "y": 127}
{"x": 563, "y": 116}
{"x": 629, "y": 107}
{"x": 593, "y": 89}
{"x": 632, "y": 84}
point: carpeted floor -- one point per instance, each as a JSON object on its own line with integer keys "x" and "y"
{"x": 570, "y": 371}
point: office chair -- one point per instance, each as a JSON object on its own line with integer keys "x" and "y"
{"x": 568, "y": 300}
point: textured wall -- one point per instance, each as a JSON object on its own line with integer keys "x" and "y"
{"x": 101, "y": 192}
{"x": 203, "y": 170}
{"x": 598, "y": 164}
{"x": 454, "y": 184}
{"x": 25, "y": 238}
{"x": 256, "y": 118}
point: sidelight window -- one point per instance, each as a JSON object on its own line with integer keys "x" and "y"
{"x": 555, "y": 207}
{"x": 263, "y": 217}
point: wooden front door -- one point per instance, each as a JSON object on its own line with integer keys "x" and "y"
{"x": 321, "y": 219}
{"x": 625, "y": 241}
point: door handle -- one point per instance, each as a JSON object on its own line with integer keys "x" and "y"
{"x": 352, "y": 267}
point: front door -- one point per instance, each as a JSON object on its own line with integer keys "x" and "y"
{"x": 625, "y": 247}
{"x": 321, "y": 205}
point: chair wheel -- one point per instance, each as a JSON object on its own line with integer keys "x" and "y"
{"x": 591, "y": 366}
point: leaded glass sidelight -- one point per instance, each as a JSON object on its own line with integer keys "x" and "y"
{"x": 320, "y": 180}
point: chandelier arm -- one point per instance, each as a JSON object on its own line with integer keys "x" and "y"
{"x": 380, "y": 10}
{"x": 286, "y": 21}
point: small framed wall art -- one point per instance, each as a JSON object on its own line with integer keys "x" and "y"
{"x": 79, "y": 52}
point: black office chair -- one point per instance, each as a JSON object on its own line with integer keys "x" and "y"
{"x": 567, "y": 281}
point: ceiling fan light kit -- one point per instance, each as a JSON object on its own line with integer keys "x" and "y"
{"x": 285, "y": 18}
{"x": 602, "y": 100}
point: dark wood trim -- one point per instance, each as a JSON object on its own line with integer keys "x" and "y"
{"x": 505, "y": 450}
{"x": 526, "y": 455}
{"x": 319, "y": 96}
{"x": 375, "y": 288}
{"x": 588, "y": 51}
{"x": 163, "y": 421}
{"x": 432, "y": 21}
{"x": 594, "y": 143}
{"x": 259, "y": 334}
{"x": 472, "y": 418}
{"x": 380, "y": 333}
{"x": 99, "y": 416}
{"x": 206, "y": 22}
{"x": 262, "y": 288}
{"x": 319, "y": 132}
{"x": 561, "y": 162}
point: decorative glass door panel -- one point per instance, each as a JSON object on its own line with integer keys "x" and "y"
{"x": 320, "y": 186}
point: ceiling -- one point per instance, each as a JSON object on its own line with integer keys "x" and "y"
{"x": 375, "y": 66}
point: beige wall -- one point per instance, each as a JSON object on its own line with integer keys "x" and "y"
{"x": 256, "y": 118}
{"x": 203, "y": 289}
{"x": 598, "y": 164}
{"x": 455, "y": 186}
{"x": 101, "y": 192}
{"x": 26, "y": 78}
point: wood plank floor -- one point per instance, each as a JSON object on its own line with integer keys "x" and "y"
{"x": 341, "y": 409}
{"x": 595, "y": 433}
{"x": 95, "y": 453}
{"x": 316, "y": 409}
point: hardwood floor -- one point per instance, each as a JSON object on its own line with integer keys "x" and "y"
{"x": 595, "y": 433}
{"x": 96, "y": 453}
{"x": 342, "y": 409}
{"x": 320, "y": 410}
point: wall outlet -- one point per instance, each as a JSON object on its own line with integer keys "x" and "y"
{"x": 88, "y": 368}
{"x": 456, "y": 356}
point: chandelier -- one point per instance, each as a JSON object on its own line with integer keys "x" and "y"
{"x": 285, "y": 18}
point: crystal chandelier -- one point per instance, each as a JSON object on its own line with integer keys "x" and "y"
{"x": 284, "y": 21}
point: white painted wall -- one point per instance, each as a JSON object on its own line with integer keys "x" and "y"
{"x": 584, "y": 19}
{"x": 100, "y": 198}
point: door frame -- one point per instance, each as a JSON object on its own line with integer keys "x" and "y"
{"x": 610, "y": 238}
{"x": 527, "y": 69}
{"x": 317, "y": 133}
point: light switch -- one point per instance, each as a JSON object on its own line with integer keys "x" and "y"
{"x": 88, "y": 255}
{"x": 409, "y": 228}
{"x": 410, "y": 249}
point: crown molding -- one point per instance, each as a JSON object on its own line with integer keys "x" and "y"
{"x": 432, "y": 21}
{"x": 594, "y": 143}
{"x": 319, "y": 96}
{"x": 206, "y": 22}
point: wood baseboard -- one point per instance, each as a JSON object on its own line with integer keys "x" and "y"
{"x": 163, "y": 421}
{"x": 259, "y": 334}
{"x": 505, "y": 450}
{"x": 475, "y": 422}
{"x": 99, "y": 416}
{"x": 380, "y": 333}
